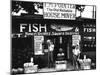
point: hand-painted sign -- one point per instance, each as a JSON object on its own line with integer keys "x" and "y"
{"x": 59, "y": 11}
{"x": 38, "y": 45}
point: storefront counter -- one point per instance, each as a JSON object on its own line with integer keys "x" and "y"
{"x": 61, "y": 65}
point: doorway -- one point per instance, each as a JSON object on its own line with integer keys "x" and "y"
{"x": 64, "y": 42}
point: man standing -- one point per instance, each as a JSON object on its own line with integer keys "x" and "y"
{"x": 76, "y": 54}
{"x": 50, "y": 53}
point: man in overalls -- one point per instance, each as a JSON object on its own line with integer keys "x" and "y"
{"x": 76, "y": 54}
{"x": 50, "y": 53}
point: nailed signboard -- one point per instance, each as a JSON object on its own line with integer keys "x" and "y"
{"x": 38, "y": 45}
{"x": 59, "y": 11}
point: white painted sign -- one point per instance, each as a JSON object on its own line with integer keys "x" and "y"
{"x": 76, "y": 37}
{"x": 38, "y": 45}
{"x": 75, "y": 42}
{"x": 59, "y": 11}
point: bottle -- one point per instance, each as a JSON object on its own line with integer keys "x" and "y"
{"x": 31, "y": 59}
{"x": 31, "y": 63}
{"x": 84, "y": 60}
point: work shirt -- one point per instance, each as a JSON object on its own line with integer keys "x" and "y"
{"x": 51, "y": 47}
{"x": 76, "y": 52}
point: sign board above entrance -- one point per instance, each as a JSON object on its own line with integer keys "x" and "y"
{"x": 59, "y": 11}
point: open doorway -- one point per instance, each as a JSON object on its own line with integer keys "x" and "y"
{"x": 64, "y": 42}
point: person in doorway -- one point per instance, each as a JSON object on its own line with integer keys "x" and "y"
{"x": 50, "y": 53}
{"x": 76, "y": 55}
{"x": 60, "y": 55}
